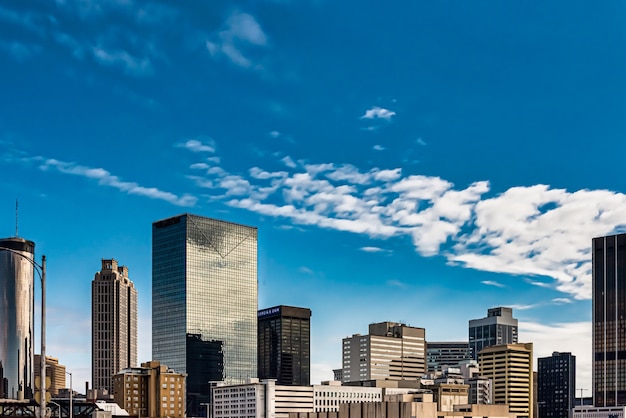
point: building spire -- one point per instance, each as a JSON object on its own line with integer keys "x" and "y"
{"x": 16, "y": 218}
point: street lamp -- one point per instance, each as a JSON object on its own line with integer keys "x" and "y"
{"x": 71, "y": 394}
{"x": 41, "y": 271}
{"x": 58, "y": 407}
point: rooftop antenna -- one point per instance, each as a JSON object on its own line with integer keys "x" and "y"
{"x": 16, "y": 217}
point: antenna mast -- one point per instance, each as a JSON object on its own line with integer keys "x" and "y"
{"x": 16, "y": 218}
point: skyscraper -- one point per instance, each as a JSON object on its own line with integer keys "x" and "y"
{"x": 556, "y": 385}
{"x": 204, "y": 301}
{"x": 113, "y": 324}
{"x": 285, "y": 345}
{"x": 391, "y": 351}
{"x": 16, "y": 318}
{"x": 609, "y": 320}
{"x": 510, "y": 367}
{"x": 498, "y": 327}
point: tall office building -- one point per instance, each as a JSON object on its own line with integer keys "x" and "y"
{"x": 510, "y": 367}
{"x": 556, "y": 385}
{"x": 284, "y": 345}
{"x": 204, "y": 302}
{"x": 113, "y": 324}
{"x": 498, "y": 327}
{"x": 390, "y": 351}
{"x": 16, "y": 318}
{"x": 449, "y": 353}
{"x": 609, "y": 320}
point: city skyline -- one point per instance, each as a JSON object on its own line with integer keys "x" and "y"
{"x": 399, "y": 161}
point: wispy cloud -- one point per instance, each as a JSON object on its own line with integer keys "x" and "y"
{"x": 372, "y": 249}
{"x": 396, "y": 283}
{"x": 536, "y": 283}
{"x": 523, "y": 307}
{"x": 123, "y": 59}
{"x": 305, "y": 270}
{"x": 105, "y": 178}
{"x": 289, "y": 162}
{"x": 378, "y": 113}
{"x": 492, "y": 283}
{"x": 378, "y": 148}
{"x": 242, "y": 31}
{"x": 561, "y": 301}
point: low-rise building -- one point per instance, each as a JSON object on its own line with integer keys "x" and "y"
{"x": 151, "y": 390}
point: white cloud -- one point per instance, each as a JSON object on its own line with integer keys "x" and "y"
{"x": 274, "y": 134}
{"x": 195, "y": 145}
{"x": 289, "y": 162}
{"x": 123, "y": 59}
{"x": 242, "y": 30}
{"x": 372, "y": 249}
{"x": 492, "y": 283}
{"x": 378, "y": 113}
{"x": 378, "y": 148}
{"x": 561, "y": 301}
{"x": 305, "y": 270}
{"x": 199, "y": 166}
{"x": 107, "y": 179}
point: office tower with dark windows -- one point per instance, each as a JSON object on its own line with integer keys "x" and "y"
{"x": 16, "y": 318}
{"x": 609, "y": 320}
{"x": 391, "y": 351}
{"x": 285, "y": 345}
{"x": 113, "y": 323}
{"x": 556, "y": 385}
{"x": 498, "y": 327}
{"x": 204, "y": 302}
{"x": 510, "y": 368}
{"x": 453, "y": 353}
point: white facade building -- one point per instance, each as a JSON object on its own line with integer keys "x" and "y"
{"x": 599, "y": 411}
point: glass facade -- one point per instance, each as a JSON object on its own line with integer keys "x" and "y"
{"x": 439, "y": 354}
{"x": 556, "y": 385}
{"x": 609, "y": 322}
{"x": 285, "y": 345}
{"x": 204, "y": 299}
{"x": 16, "y": 318}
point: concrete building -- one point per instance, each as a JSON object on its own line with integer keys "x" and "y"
{"x": 556, "y": 385}
{"x": 497, "y": 328}
{"x": 284, "y": 345}
{"x": 16, "y": 313}
{"x": 204, "y": 286}
{"x": 609, "y": 320}
{"x": 599, "y": 412}
{"x": 151, "y": 391}
{"x": 440, "y": 354}
{"x": 510, "y": 367}
{"x": 390, "y": 351}
{"x": 54, "y": 371}
{"x": 113, "y": 323}
{"x": 480, "y": 391}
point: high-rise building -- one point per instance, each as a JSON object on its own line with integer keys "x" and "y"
{"x": 556, "y": 385}
{"x": 497, "y": 328}
{"x": 510, "y": 367}
{"x": 54, "y": 370}
{"x": 284, "y": 345}
{"x": 204, "y": 302}
{"x": 390, "y": 351}
{"x": 152, "y": 390}
{"x": 439, "y": 354}
{"x": 609, "y": 320}
{"x": 16, "y": 318}
{"x": 113, "y": 324}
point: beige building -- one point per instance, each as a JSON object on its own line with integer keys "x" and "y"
{"x": 54, "y": 370}
{"x": 151, "y": 391}
{"x": 113, "y": 324}
{"x": 510, "y": 367}
{"x": 390, "y": 351}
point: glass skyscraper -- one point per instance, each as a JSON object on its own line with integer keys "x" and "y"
{"x": 285, "y": 345}
{"x": 609, "y": 320}
{"x": 204, "y": 301}
{"x": 499, "y": 327}
{"x": 16, "y": 318}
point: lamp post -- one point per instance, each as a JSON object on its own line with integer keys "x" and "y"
{"x": 71, "y": 395}
{"x": 58, "y": 407}
{"x": 41, "y": 271}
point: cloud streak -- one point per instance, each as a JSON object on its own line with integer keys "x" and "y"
{"x": 105, "y": 178}
{"x": 377, "y": 112}
{"x": 242, "y": 31}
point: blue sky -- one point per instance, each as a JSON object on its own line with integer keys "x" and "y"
{"x": 415, "y": 161}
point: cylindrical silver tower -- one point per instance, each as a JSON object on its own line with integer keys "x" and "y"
{"x": 16, "y": 318}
